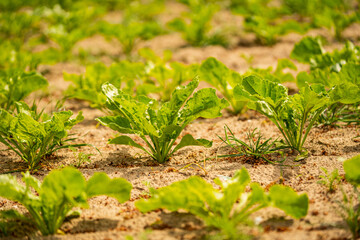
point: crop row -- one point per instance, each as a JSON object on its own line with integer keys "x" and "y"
{"x": 225, "y": 208}
{"x": 60, "y": 24}
{"x": 121, "y": 89}
{"x": 329, "y": 94}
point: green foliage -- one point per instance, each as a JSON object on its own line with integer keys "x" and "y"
{"x": 157, "y": 75}
{"x": 352, "y": 170}
{"x": 330, "y": 180}
{"x": 18, "y": 25}
{"x": 195, "y": 25}
{"x": 163, "y": 76}
{"x": 335, "y": 15}
{"x": 338, "y": 70}
{"x": 33, "y": 136}
{"x": 311, "y": 51}
{"x": 293, "y": 115}
{"x": 66, "y": 28}
{"x": 276, "y": 75}
{"x": 160, "y": 126}
{"x": 227, "y": 208}
{"x": 307, "y": 48}
{"x": 350, "y": 203}
{"x": 130, "y": 32}
{"x": 224, "y": 80}
{"x": 88, "y": 86}
{"x": 80, "y": 157}
{"x": 13, "y": 57}
{"x": 57, "y": 195}
{"x": 16, "y": 84}
{"x": 267, "y": 31}
{"x": 256, "y": 146}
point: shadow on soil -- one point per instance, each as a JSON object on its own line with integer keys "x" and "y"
{"x": 174, "y": 221}
{"x": 95, "y": 225}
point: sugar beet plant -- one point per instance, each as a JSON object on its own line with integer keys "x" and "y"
{"x": 33, "y": 136}
{"x": 87, "y": 86}
{"x": 293, "y": 115}
{"x": 16, "y": 84}
{"x": 160, "y": 126}
{"x": 224, "y": 80}
{"x": 350, "y": 210}
{"x": 56, "y": 196}
{"x": 228, "y": 208}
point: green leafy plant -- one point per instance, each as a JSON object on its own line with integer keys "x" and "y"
{"x": 57, "y": 195}
{"x": 33, "y": 137}
{"x": 310, "y": 50}
{"x": 330, "y": 180}
{"x": 196, "y": 25}
{"x": 293, "y": 115}
{"x": 267, "y": 31}
{"x": 224, "y": 80}
{"x": 15, "y": 85}
{"x": 277, "y": 75}
{"x": 350, "y": 203}
{"x": 80, "y": 157}
{"x": 14, "y": 57}
{"x": 87, "y": 86}
{"x": 160, "y": 126}
{"x": 19, "y": 25}
{"x": 339, "y": 71}
{"x": 163, "y": 76}
{"x": 130, "y": 31}
{"x": 227, "y": 208}
{"x": 335, "y": 15}
{"x": 256, "y": 146}
{"x": 66, "y": 28}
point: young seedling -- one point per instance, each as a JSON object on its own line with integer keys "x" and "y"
{"x": 330, "y": 180}
{"x": 226, "y": 208}
{"x": 16, "y": 84}
{"x": 80, "y": 157}
{"x": 196, "y": 25}
{"x": 160, "y": 126}
{"x": 293, "y": 115}
{"x": 33, "y": 137}
{"x": 350, "y": 210}
{"x": 57, "y": 195}
{"x": 224, "y": 80}
{"x": 256, "y": 146}
{"x": 87, "y": 86}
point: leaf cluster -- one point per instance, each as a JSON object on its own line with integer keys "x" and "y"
{"x": 130, "y": 32}
{"x": 159, "y": 126}
{"x": 293, "y": 115}
{"x": 34, "y": 136}
{"x": 163, "y": 76}
{"x": 156, "y": 75}
{"x": 16, "y": 84}
{"x": 195, "y": 25}
{"x": 228, "y": 207}
{"x": 224, "y": 80}
{"x": 87, "y": 86}
{"x": 338, "y": 70}
{"x": 330, "y": 180}
{"x": 349, "y": 205}
{"x": 51, "y": 201}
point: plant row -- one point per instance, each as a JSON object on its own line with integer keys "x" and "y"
{"x": 60, "y": 25}
{"x": 121, "y": 91}
{"x": 226, "y": 207}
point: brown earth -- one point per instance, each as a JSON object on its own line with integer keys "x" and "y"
{"x": 107, "y": 219}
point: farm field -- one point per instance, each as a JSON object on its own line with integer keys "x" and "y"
{"x": 97, "y": 86}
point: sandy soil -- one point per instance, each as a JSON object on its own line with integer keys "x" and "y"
{"x": 107, "y": 219}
